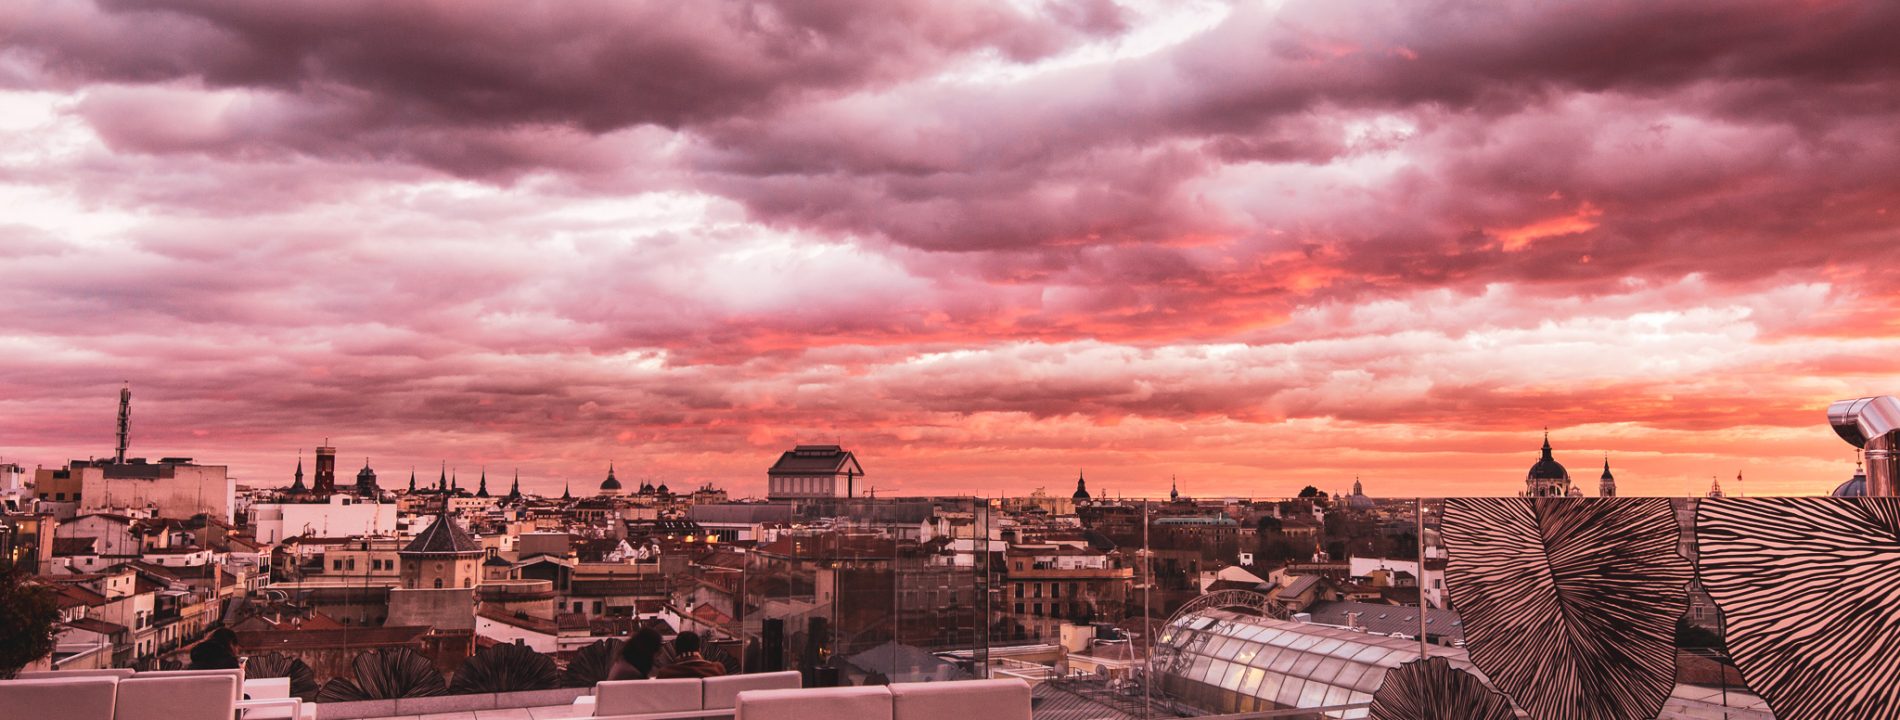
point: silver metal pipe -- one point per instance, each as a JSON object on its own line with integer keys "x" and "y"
{"x": 1873, "y": 425}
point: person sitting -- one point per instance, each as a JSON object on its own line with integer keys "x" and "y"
{"x": 637, "y": 656}
{"x": 218, "y": 651}
{"x": 687, "y": 662}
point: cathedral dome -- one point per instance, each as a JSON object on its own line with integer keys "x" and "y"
{"x": 1547, "y": 468}
{"x": 610, "y": 484}
{"x": 1855, "y": 486}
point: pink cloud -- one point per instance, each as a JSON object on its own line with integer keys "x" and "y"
{"x": 982, "y": 243}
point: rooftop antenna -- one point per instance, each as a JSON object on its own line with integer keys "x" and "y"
{"x": 125, "y": 421}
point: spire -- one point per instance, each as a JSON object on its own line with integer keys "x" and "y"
{"x": 455, "y": 482}
{"x": 296, "y": 485}
{"x": 565, "y": 495}
{"x": 514, "y": 491}
{"x": 125, "y": 424}
{"x": 412, "y": 478}
{"x": 1174, "y": 488}
{"x": 483, "y": 490}
{"x": 442, "y": 481}
{"x": 1606, "y": 467}
{"x": 1547, "y": 443}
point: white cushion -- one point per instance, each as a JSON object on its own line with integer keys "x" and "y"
{"x": 961, "y": 700}
{"x": 723, "y": 690}
{"x": 75, "y": 698}
{"x": 59, "y": 674}
{"x": 632, "y": 697}
{"x": 236, "y": 674}
{"x": 259, "y": 688}
{"x": 201, "y": 697}
{"x": 869, "y": 702}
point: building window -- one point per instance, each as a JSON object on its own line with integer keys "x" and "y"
{"x": 1019, "y": 592}
{"x": 60, "y": 497}
{"x": 1038, "y": 609}
{"x": 1055, "y": 590}
{"x": 336, "y": 566}
{"x": 1019, "y": 608}
{"x": 438, "y": 583}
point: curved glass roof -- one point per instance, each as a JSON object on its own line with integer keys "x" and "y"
{"x": 1224, "y": 661}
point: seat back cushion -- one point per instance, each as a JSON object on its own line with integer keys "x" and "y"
{"x": 76, "y": 698}
{"x": 723, "y": 691}
{"x": 630, "y": 697}
{"x": 236, "y": 673}
{"x": 870, "y": 702}
{"x": 58, "y": 674}
{"x": 962, "y": 699}
{"x": 202, "y": 697}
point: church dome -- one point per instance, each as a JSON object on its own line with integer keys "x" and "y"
{"x": 1547, "y": 468}
{"x": 610, "y": 483}
{"x": 1855, "y": 486}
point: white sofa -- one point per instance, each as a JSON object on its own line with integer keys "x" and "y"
{"x": 957, "y": 700}
{"x": 620, "y": 698}
{"x": 124, "y": 695}
{"x": 863, "y": 702}
{"x": 75, "y": 698}
{"x": 188, "y": 697}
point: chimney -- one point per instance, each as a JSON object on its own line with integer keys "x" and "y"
{"x": 1873, "y": 425}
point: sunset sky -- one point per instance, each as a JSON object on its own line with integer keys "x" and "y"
{"x": 983, "y": 243}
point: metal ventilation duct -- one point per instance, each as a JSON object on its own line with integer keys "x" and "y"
{"x": 1873, "y": 425}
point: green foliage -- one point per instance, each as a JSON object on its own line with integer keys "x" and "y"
{"x": 1311, "y": 492}
{"x": 29, "y": 616}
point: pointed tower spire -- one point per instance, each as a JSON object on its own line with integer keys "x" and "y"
{"x": 483, "y": 490}
{"x": 412, "y": 478}
{"x": 1174, "y": 489}
{"x": 565, "y": 495}
{"x": 442, "y": 481}
{"x": 1606, "y": 486}
{"x": 1547, "y": 443}
{"x": 296, "y": 485}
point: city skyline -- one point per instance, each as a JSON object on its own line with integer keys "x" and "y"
{"x": 1256, "y": 247}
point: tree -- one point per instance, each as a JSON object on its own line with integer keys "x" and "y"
{"x": 1310, "y": 492}
{"x": 29, "y": 616}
